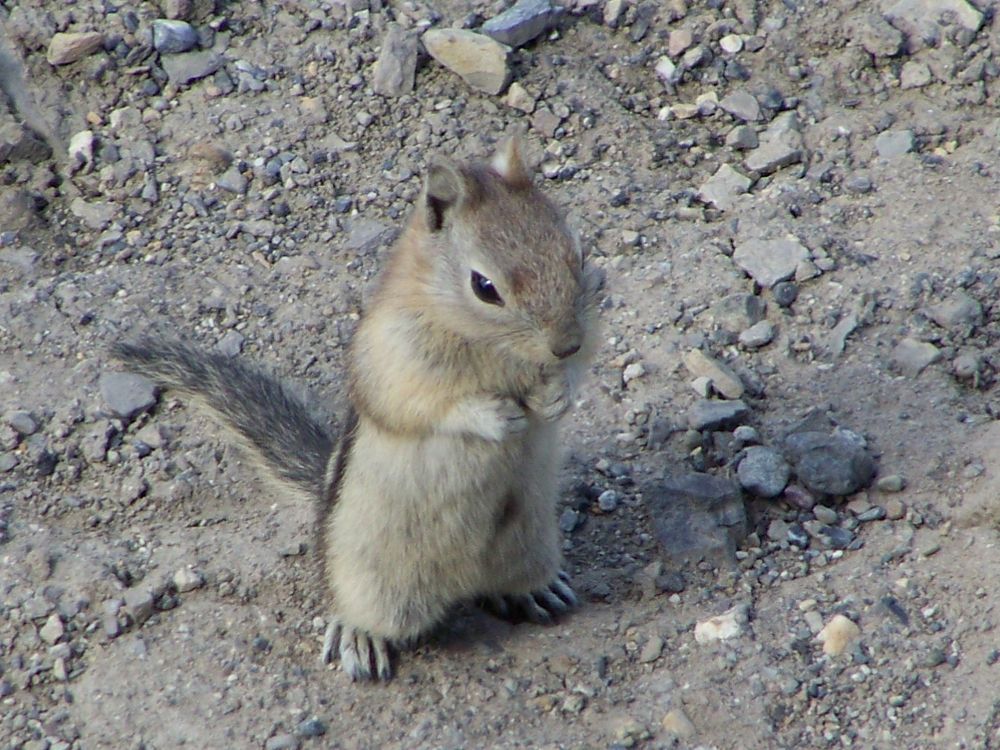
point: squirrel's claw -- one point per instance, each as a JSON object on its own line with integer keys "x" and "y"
{"x": 362, "y": 656}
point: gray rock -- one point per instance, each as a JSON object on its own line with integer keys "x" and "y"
{"x": 481, "y": 62}
{"x": 172, "y": 36}
{"x": 231, "y": 344}
{"x": 859, "y": 183}
{"x": 724, "y": 187}
{"x": 570, "y": 520}
{"x": 877, "y": 37}
{"x": 52, "y": 630}
{"x": 723, "y": 378}
{"x": 921, "y": 20}
{"x": 186, "y": 580}
{"x": 139, "y": 603}
{"x": 608, "y": 501}
{"x": 311, "y": 728}
{"x": 522, "y": 22}
{"x": 960, "y": 310}
{"x": 716, "y": 415}
{"x": 797, "y": 536}
{"x": 97, "y": 215}
{"x": 396, "y": 68}
{"x": 910, "y": 356}
{"x": 365, "y": 235}
{"x": 742, "y": 137}
{"x": 233, "y": 181}
{"x": 22, "y": 422}
{"x": 914, "y": 75}
{"x": 282, "y": 742}
{"x": 19, "y": 142}
{"x": 770, "y": 261}
{"x": 126, "y": 394}
{"x": 893, "y": 143}
{"x": 741, "y": 105}
{"x": 825, "y": 514}
{"x": 785, "y": 293}
{"x": 829, "y": 537}
{"x": 178, "y": 8}
{"x": 781, "y": 145}
{"x": 697, "y": 517}
{"x": 830, "y": 464}
{"x": 763, "y": 472}
{"x": 758, "y": 335}
{"x": 736, "y": 312}
{"x": 8, "y": 462}
{"x": 191, "y": 66}
{"x": 65, "y": 48}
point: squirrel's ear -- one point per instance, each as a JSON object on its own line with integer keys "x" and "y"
{"x": 444, "y": 189}
{"x": 509, "y": 163}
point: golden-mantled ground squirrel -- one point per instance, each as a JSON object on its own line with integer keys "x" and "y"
{"x": 441, "y": 487}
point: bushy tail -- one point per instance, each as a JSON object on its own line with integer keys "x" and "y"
{"x": 271, "y": 420}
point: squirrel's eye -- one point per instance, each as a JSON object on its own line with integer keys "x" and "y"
{"x": 484, "y": 289}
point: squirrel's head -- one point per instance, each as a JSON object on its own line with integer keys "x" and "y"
{"x": 505, "y": 267}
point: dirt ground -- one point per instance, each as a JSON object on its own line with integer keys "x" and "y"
{"x": 153, "y": 594}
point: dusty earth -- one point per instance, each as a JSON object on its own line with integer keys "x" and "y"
{"x": 154, "y": 595}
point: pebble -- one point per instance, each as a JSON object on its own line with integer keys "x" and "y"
{"x": 920, "y": 20}
{"x": 52, "y": 630}
{"x": 891, "y": 483}
{"x": 785, "y": 293}
{"x": 126, "y": 394}
{"x": 877, "y": 37}
{"x": 677, "y": 723}
{"x": 651, "y": 650}
{"x": 736, "y": 312}
{"x": 745, "y": 434}
{"x": 22, "y": 422}
{"x": 960, "y": 310}
{"x": 679, "y": 41}
{"x": 763, "y": 472}
{"x": 68, "y": 47}
{"x": 186, "y": 580}
{"x": 173, "y": 36}
{"x": 874, "y": 513}
{"x": 814, "y": 621}
{"x": 8, "y": 462}
{"x": 742, "y": 137}
{"x": 895, "y": 509}
{"x": 741, "y": 105}
{"x": 522, "y": 22}
{"x": 81, "y": 149}
{"x": 723, "y": 378}
{"x": 838, "y": 635}
{"x": 666, "y": 71}
{"x": 758, "y": 335}
{"x": 724, "y": 187}
{"x": 570, "y": 520}
{"x": 708, "y": 415}
{"x": 233, "y": 181}
{"x": 311, "y": 728}
{"x": 97, "y": 214}
{"x": 797, "y": 536}
{"x": 966, "y": 365}
{"x": 518, "y": 98}
{"x": 914, "y": 75}
{"x": 722, "y": 627}
{"x": 139, "y": 602}
{"x": 825, "y": 514}
{"x": 608, "y": 501}
{"x": 859, "y": 183}
{"x": 186, "y": 67}
{"x": 395, "y": 70}
{"x": 770, "y": 261}
{"x": 781, "y": 145}
{"x": 480, "y": 61}
{"x": 731, "y": 43}
{"x": 633, "y": 371}
{"x": 910, "y": 356}
{"x": 830, "y": 537}
{"x": 282, "y": 742}
{"x": 893, "y": 143}
{"x": 829, "y": 464}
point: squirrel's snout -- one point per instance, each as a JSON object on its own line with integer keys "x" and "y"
{"x": 566, "y": 341}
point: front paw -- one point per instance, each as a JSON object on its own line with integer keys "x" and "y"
{"x": 542, "y": 606}
{"x": 550, "y": 400}
{"x": 362, "y": 655}
{"x": 500, "y": 417}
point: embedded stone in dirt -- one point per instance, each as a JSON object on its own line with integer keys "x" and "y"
{"x": 910, "y": 356}
{"x": 127, "y": 394}
{"x": 833, "y": 464}
{"x": 921, "y": 20}
{"x": 770, "y": 261}
{"x": 522, "y": 22}
{"x": 171, "y": 36}
{"x": 723, "y": 378}
{"x": 722, "y": 627}
{"x": 724, "y": 187}
{"x": 780, "y": 146}
{"x": 68, "y": 47}
{"x": 190, "y": 66}
{"x": 763, "y": 472}
{"x": 839, "y": 634}
{"x": 716, "y": 415}
{"x": 961, "y": 310}
{"x": 397, "y": 62}
{"x": 480, "y": 61}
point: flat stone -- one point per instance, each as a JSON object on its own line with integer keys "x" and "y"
{"x": 679, "y": 41}
{"x": 763, "y": 472}
{"x": 758, "y": 335}
{"x": 741, "y": 105}
{"x": 877, "y": 37}
{"x": 833, "y": 464}
{"x": 838, "y": 635}
{"x": 893, "y": 143}
{"x": 914, "y": 75}
{"x": 480, "y": 61}
{"x": 910, "y": 356}
{"x": 781, "y": 145}
{"x": 522, "y": 22}
{"x": 396, "y": 68}
{"x": 52, "y": 630}
{"x": 666, "y": 71}
{"x": 139, "y": 603}
{"x": 171, "y": 36}
{"x": 724, "y": 187}
{"x": 191, "y": 66}
{"x": 365, "y": 235}
{"x": 921, "y": 20}
{"x": 97, "y": 215}
{"x": 960, "y": 310}
{"x": 68, "y": 47}
{"x": 697, "y": 517}
{"x": 729, "y": 624}
{"x": 126, "y": 394}
{"x": 518, "y": 98}
{"x": 736, "y": 312}
{"x": 770, "y": 261}
{"x": 742, "y": 137}
{"x": 723, "y": 378}
{"x": 706, "y": 415}
{"x": 677, "y": 723}
{"x": 22, "y": 422}
{"x": 651, "y": 650}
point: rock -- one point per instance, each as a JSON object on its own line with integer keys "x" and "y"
{"x": 910, "y": 356}
{"x": 186, "y": 580}
{"x": 723, "y": 378}
{"x": 832, "y": 464}
{"x": 678, "y": 724}
{"x": 666, "y": 71}
{"x": 177, "y": 8}
{"x": 741, "y": 105}
{"x": 731, "y": 43}
{"x": 65, "y": 48}
{"x": 396, "y": 68}
{"x": 877, "y": 37}
{"x": 18, "y": 142}
{"x": 282, "y": 742}
{"x": 651, "y": 650}
{"x": 781, "y": 145}
{"x": 742, "y": 137}
{"x": 633, "y": 371}
{"x": 838, "y": 635}
{"x": 365, "y": 235}
{"x": 891, "y": 483}
{"x": 173, "y": 36}
{"x": 697, "y": 517}
{"x": 232, "y": 181}
{"x": 895, "y": 509}
{"x": 763, "y": 472}
{"x": 315, "y": 113}
{"x": 311, "y": 728}
{"x": 570, "y": 520}
{"x": 705, "y": 415}
{"x": 81, "y": 150}
{"x": 522, "y": 22}
{"x": 126, "y": 394}
{"x": 758, "y": 335}
{"x": 613, "y": 12}
{"x": 722, "y": 627}
{"x": 22, "y": 422}
{"x": 679, "y": 41}
{"x": 825, "y": 514}
{"x": 480, "y": 61}
{"x": 608, "y": 501}
{"x": 518, "y": 98}
{"x": 922, "y": 21}
{"x": 139, "y": 603}
{"x": 770, "y": 261}
{"x": 736, "y": 312}
{"x": 97, "y": 215}
{"x": 186, "y": 67}
{"x": 893, "y": 143}
{"x": 52, "y": 630}
{"x": 724, "y": 187}
{"x": 959, "y": 311}
{"x": 8, "y": 462}
{"x": 785, "y": 293}
{"x": 914, "y": 75}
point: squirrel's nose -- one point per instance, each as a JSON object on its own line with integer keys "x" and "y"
{"x": 565, "y": 341}
{"x": 567, "y": 351}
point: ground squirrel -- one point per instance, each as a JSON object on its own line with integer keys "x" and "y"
{"x": 441, "y": 488}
